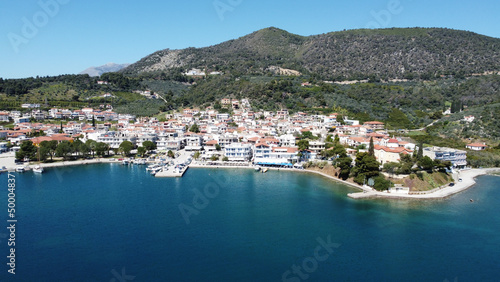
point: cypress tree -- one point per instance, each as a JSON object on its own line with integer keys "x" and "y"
{"x": 371, "y": 149}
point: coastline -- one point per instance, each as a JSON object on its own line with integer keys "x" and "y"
{"x": 468, "y": 178}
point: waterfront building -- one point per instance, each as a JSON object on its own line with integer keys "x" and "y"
{"x": 457, "y": 157}
{"x": 238, "y": 152}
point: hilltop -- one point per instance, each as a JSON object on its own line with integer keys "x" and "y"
{"x": 354, "y": 54}
{"x": 109, "y": 67}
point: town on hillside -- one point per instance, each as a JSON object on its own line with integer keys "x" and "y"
{"x": 259, "y": 138}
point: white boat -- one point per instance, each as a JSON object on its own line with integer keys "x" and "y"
{"x": 20, "y": 168}
{"x": 264, "y": 170}
{"x": 155, "y": 170}
{"x": 125, "y": 162}
{"x": 140, "y": 161}
{"x": 38, "y": 169}
{"x": 257, "y": 168}
{"x": 153, "y": 167}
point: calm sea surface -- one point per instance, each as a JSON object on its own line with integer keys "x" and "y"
{"x": 117, "y": 223}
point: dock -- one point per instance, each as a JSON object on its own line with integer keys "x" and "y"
{"x": 171, "y": 173}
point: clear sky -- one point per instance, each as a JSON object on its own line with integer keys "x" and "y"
{"x": 52, "y": 37}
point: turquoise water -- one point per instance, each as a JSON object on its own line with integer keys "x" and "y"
{"x": 117, "y": 223}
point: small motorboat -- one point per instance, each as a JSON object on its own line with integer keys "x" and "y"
{"x": 38, "y": 169}
{"x": 257, "y": 168}
{"x": 264, "y": 170}
{"x": 20, "y": 168}
{"x": 140, "y": 161}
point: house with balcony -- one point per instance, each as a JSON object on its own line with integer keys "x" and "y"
{"x": 241, "y": 152}
{"x": 193, "y": 143}
{"x": 458, "y": 158}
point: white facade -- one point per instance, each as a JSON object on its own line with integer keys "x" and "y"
{"x": 114, "y": 139}
{"x": 238, "y": 152}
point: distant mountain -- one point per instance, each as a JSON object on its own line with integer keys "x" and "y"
{"x": 353, "y": 54}
{"x": 109, "y": 67}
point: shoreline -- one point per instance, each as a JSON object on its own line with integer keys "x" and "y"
{"x": 468, "y": 178}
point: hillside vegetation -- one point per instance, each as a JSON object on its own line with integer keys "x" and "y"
{"x": 355, "y": 54}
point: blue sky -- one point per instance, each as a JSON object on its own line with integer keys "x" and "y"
{"x": 52, "y": 37}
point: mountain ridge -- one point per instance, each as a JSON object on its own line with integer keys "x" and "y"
{"x": 341, "y": 55}
{"x": 109, "y": 67}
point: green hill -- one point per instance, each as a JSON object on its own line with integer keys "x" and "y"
{"x": 353, "y": 54}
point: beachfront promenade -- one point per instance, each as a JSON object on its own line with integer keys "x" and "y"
{"x": 467, "y": 177}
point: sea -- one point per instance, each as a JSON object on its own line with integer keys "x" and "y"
{"x": 111, "y": 222}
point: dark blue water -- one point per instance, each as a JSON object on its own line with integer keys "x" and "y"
{"x": 117, "y": 223}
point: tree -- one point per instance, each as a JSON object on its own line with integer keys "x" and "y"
{"x": 426, "y": 163}
{"x": 398, "y": 119}
{"x": 420, "y": 153}
{"x": 196, "y": 155}
{"x": 43, "y": 152}
{"x": 340, "y": 119}
{"x": 303, "y": 145}
{"x": 381, "y": 183}
{"x": 64, "y": 149}
{"x": 149, "y": 145}
{"x": 366, "y": 167}
{"x": 141, "y": 151}
{"x": 84, "y": 149}
{"x": 217, "y": 147}
{"x": 101, "y": 148}
{"x": 225, "y": 159}
{"x": 214, "y": 158}
{"x": 27, "y": 150}
{"x": 371, "y": 148}
{"x": 77, "y": 146}
{"x": 308, "y": 135}
{"x": 49, "y": 147}
{"x": 194, "y": 128}
{"x": 92, "y": 145}
{"x": 171, "y": 154}
{"x": 344, "y": 162}
{"x": 125, "y": 147}
{"x": 391, "y": 167}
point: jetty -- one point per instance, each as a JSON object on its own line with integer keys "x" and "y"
{"x": 171, "y": 172}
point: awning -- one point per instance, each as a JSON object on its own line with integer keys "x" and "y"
{"x": 280, "y": 164}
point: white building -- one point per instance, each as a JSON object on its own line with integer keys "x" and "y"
{"x": 457, "y": 157}
{"x": 238, "y": 152}
{"x": 287, "y": 140}
{"x": 114, "y": 139}
{"x": 193, "y": 143}
{"x": 275, "y": 156}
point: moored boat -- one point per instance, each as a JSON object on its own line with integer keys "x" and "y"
{"x": 20, "y": 168}
{"x": 38, "y": 169}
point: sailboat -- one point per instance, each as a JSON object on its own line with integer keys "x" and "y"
{"x": 38, "y": 168}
